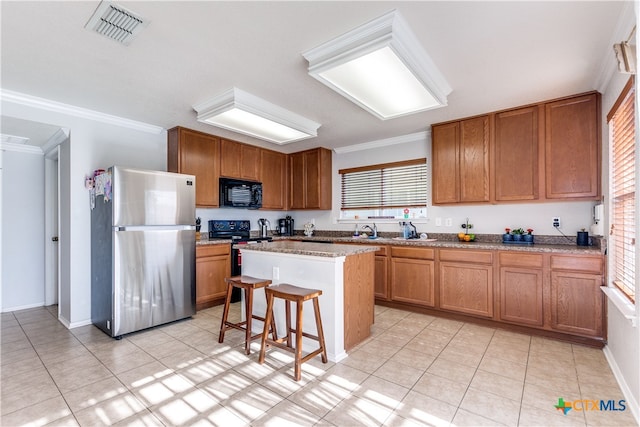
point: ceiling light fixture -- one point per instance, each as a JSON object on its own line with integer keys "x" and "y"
{"x": 382, "y": 67}
{"x": 245, "y": 113}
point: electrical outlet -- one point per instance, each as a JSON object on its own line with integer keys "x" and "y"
{"x": 438, "y": 222}
{"x": 556, "y": 221}
{"x": 276, "y": 273}
{"x": 448, "y": 222}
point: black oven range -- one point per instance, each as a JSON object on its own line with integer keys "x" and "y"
{"x": 239, "y": 232}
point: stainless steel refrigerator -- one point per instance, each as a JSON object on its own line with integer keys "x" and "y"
{"x": 142, "y": 249}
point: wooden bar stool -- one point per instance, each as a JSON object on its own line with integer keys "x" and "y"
{"x": 248, "y": 284}
{"x": 291, "y": 293}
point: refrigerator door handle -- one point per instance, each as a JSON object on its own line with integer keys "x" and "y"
{"x": 153, "y": 227}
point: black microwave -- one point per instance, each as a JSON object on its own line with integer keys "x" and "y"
{"x": 236, "y": 193}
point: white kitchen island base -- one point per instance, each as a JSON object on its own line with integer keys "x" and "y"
{"x": 344, "y": 273}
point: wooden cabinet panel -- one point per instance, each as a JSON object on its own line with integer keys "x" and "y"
{"x": 474, "y": 160}
{"x": 464, "y": 255}
{"x": 213, "y": 264}
{"x": 412, "y": 281}
{"x": 516, "y": 155}
{"x": 196, "y": 153}
{"x": 577, "y": 303}
{"x": 310, "y": 179}
{"x": 297, "y": 181}
{"x": 416, "y": 253}
{"x": 584, "y": 264}
{"x": 444, "y": 151}
{"x": 358, "y": 298}
{"x": 381, "y": 273}
{"x": 521, "y": 288}
{"x": 273, "y": 175}
{"x": 460, "y": 152}
{"x": 521, "y": 296}
{"x": 466, "y": 288}
{"x": 572, "y": 148}
{"x": 238, "y": 160}
{"x": 520, "y": 259}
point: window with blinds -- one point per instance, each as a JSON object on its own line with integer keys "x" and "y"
{"x": 621, "y": 121}
{"x": 389, "y": 185}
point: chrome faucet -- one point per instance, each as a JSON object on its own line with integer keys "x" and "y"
{"x": 374, "y": 230}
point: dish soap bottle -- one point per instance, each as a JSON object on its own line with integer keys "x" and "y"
{"x": 356, "y": 233}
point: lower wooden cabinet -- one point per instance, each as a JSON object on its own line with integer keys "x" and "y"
{"x": 412, "y": 276}
{"x": 521, "y": 288}
{"x": 550, "y": 292}
{"x": 381, "y": 274}
{"x": 466, "y": 282}
{"x": 213, "y": 264}
{"x": 577, "y": 303}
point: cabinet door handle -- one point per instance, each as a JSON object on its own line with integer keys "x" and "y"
{"x": 54, "y": 239}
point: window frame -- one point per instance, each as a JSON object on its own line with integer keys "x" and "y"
{"x": 623, "y": 273}
{"x": 382, "y": 206}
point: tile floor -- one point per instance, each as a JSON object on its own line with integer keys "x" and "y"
{"x": 414, "y": 370}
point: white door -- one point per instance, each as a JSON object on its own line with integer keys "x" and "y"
{"x": 51, "y": 229}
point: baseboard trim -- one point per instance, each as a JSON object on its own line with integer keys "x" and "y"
{"x": 624, "y": 387}
{"x": 22, "y": 307}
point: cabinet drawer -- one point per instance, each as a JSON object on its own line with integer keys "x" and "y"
{"x": 212, "y": 250}
{"x": 382, "y": 251}
{"x": 416, "y": 253}
{"x": 464, "y": 255}
{"x": 591, "y": 264}
{"x": 519, "y": 259}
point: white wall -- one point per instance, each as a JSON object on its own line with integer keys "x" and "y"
{"x": 22, "y": 233}
{"x": 92, "y": 144}
{"x": 623, "y": 347}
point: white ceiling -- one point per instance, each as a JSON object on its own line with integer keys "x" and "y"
{"x": 493, "y": 54}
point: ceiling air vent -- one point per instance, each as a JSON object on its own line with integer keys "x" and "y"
{"x": 116, "y": 22}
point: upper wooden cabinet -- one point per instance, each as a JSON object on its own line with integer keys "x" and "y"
{"x": 541, "y": 152}
{"x": 515, "y": 152}
{"x": 461, "y": 161}
{"x": 310, "y": 179}
{"x": 572, "y": 149}
{"x": 196, "y": 153}
{"x": 239, "y": 160}
{"x": 273, "y": 175}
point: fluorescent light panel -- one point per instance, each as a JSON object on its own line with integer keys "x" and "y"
{"x": 245, "y": 113}
{"x": 381, "y": 67}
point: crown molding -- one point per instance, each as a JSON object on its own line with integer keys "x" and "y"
{"x": 608, "y": 63}
{"x": 419, "y": 137}
{"x": 20, "y": 148}
{"x": 56, "y": 139}
{"x": 72, "y": 110}
{"x": 13, "y": 139}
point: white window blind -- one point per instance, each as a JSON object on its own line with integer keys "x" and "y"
{"x": 623, "y": 191}
{"x": 389, "y": 185}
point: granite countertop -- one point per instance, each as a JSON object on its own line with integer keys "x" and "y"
{"x": 549, "y": 248}
{"x": 323, "y": 247}
{"x": 309, "y": 248}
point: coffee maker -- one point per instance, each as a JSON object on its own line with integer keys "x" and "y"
{"x": 285, "y": 226}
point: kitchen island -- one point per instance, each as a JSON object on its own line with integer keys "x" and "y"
{"x": 344, "y": 273}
